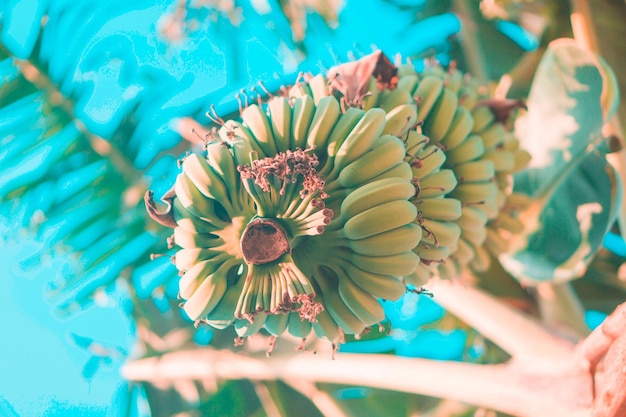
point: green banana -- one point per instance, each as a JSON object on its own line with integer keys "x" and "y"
{"x": 374, "y": 194}
{"x": 439, "y": 208}
{"x": 390, "y": 242}
{"x": 379, "y": 219}
{"x": 280, "y": 120}
{"x": 361, "y": 139}
{"x": 440, "y": 117}
{"x": 427, "y": 92}
{"x": 302, "y": 116}
{"x": 255, "y": 118}
{"x": 387, "y": 152}
{"x": 327, "y": 112}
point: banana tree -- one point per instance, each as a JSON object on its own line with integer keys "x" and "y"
{"x": 91, "y": 122}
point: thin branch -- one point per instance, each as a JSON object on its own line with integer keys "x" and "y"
{"x": 267, "y": 402}
{"x": 324, "y": 402}
{"x": 515, "y": 332}
{"x": 506, "y": 388}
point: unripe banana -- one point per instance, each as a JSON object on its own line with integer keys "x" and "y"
{"x": 379, "y": 286}
{"x": 387, "y": 152}
{"x": 244, "y": 328}
{"x": 519, "y": 201}
{"x": 222, "y": 160}
{"x": 195, "y": 201}
{"x": 408, "y": 82}
{"x": 439, "y": 208}
{"x": 475, "y": 236}
{"x": 360, "y": 302}
{"x": 360, "y": 139}
{"x": 460, "y": 128}
{"x": 186, "y": 258}
{"x": 440, "y": 117}
{"x": 319, "y": 87}
{"x": 493, "y": 135}
{"x": 454, "y": 80}
{"x": 276, "y": 324}
{"x": 391, "y": 242}
{"x": 280, "y": 121}
{"x": 420, "y": 276}
{"x": 394, "y": 265}
{"x": 186, "y": 239}
{"x": 472, "y": 218}
{"x": 373, "y": 194}
{"x": 509, "y": 223}
{"x": 207, "y": 295}
{"x": 481, "y": 260}
{"x": 522, "y": 158}
{"x": 372, "y": 95}
{"x": 503, "y": 160}
{"x": 431, "y": 253}
{"x": 429, "y": 160}
{"x": 325, "y": 327}
{"x": 483, "y": 117}
{"x": 427, "y": 93}
{"x": 439, "y": 233}
{"x": 242, "y": 142}
{"x": 475, "y": 193}
{"x": 415, "y": 142}
{"x": 400, "y": 119}
{"x": 468, "y": 97}
{"x": 298, "y": 327}
{"x": 202, "y": 177}
{"x": 194, "y": 276}
{"x": 223, "y": 314}
{"x": 401, "y": 170}
{"x": 390, "y": 99}
{"x": 495, "y": 242}
{"x": 472, "y": 148}
{"x": 302, "y": 116}
{"x": 255, "y": 118}
{"x": 338, "y": 135}
{"x": 189, "y": 221}
{"x": 437, "y": 184}
{"x": 327, "y": 112}
{"x": 340, "y": 313}
{"x": 475, "y": 171}
{"x": 379, "y": 219}
{"x": 464, "y": 252}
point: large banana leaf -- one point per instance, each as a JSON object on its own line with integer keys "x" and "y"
{"x": 576, "y": 193}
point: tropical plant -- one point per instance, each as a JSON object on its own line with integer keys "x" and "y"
{"x": 515, "y": 228}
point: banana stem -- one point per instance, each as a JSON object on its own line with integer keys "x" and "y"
{"x": 506, "y": 388}
{"x": 518, "y": 334}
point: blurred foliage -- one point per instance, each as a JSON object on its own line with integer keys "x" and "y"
{"x": 90, "y": 97}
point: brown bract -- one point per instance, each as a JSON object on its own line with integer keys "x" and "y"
{"x": 165, "y": 218}
{"x": 351, "y": 79}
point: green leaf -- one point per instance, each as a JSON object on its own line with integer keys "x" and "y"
{"x": 576, "y": 193}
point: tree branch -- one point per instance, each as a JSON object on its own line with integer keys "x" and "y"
{"x": 506, "y": 388}
{"x": 515, "y": 332}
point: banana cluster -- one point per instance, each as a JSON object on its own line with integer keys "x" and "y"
{"x": 436, "y": 211}
{"x": 297, "y": 219}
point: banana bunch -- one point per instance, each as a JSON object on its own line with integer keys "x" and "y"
{"x": 297, "y": 219}
{"x": 436, "y": 212}
{"x": 493, "y": 122}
